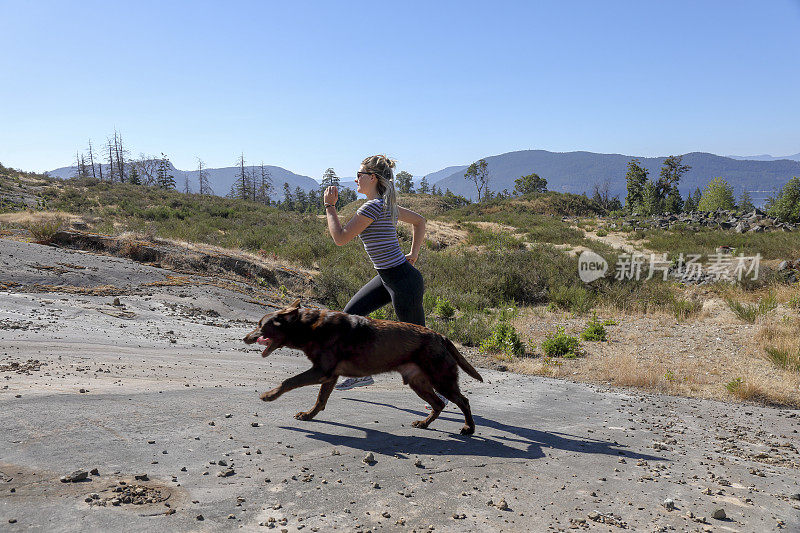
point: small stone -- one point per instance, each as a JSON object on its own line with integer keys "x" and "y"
{"x": 795, "y": 496}
{"x": 669, "y": 504}
{"x": 231, "y": 516}
{"x": 502, "y": 505}
{"x": 226, "y": 473}
{"x": 369, "y": 458}
{"x": 719, "y": 514}
{"x": 211, "y": 424}
{"x": 141, "y": 477}
{"x": 386, "y": 514}
{"x": 83, "y": 391}
{"x": 418, "y": 463}
{"x": 228, "y": 415}
{"x": 200, "y": 517}
{"x": 376, "y": 485}
{"x": 12, "y": 520}
{"x": 222, "y": 462}
{"x": 254, "y": 424}
{"x": 78, "y": 475}
{"x": 117, "y": 302}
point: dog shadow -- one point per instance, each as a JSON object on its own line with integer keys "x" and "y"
{"x": 517, "y": 443}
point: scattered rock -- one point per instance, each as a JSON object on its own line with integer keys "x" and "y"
{"x": 669, "y": 504}
{"x": 719, "y": 514}
{"x": 141, "y": 477}
{"x": 369, "y": 458}
{"x": 78, "y": 475}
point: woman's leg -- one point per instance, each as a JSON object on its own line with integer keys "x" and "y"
{"x": 369, "y": 298}
{"x": 405, "y": 286}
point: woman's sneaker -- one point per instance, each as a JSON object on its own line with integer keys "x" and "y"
{"x": 351, "y": 383}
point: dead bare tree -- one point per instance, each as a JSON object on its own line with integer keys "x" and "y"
{"x": 147, "y": 167}
{"x": 120, "y": 154}
{"x": 110, "y": 160}
{"x": 91, "y": 161}
{"x": 202, "y": 178}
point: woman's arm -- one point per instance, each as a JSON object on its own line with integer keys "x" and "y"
{"x": 342, "y": 235}
{"x": 417, "y": 221}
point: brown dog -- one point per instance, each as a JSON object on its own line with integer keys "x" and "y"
{"x": 339, "y": 344}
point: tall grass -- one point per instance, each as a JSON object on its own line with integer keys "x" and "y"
{"x": 749, "y": 312}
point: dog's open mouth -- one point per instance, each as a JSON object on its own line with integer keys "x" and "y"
{"x": 269, "y": 343}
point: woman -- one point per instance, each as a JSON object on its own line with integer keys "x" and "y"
{"x": 376, "y": 223}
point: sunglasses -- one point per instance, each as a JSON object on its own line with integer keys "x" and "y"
{"x": 359, "y": 174}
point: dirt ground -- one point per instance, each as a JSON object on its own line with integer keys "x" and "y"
{"x": 135, "y": 377}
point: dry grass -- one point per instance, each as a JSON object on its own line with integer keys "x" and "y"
{"x": 695, "y": 357}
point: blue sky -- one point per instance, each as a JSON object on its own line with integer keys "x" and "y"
{"x": 309, "y": 85}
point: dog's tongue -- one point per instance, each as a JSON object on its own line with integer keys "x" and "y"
{"x": 263, "y": 340}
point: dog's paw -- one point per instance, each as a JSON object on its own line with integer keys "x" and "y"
{"x": 302, "y": 415}
{"x": 419, "y": 424}
{"x": 269, "y": 395}
{"x": 468, "y": 430}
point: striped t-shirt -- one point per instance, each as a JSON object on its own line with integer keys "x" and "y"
{"x": 380, "y": 237}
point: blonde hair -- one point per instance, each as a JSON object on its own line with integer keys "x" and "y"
{"x": 383, "y": 167}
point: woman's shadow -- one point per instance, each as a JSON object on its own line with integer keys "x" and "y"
{"x": 519, "y": 443}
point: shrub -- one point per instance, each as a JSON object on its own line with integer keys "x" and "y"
{"x": 749, "y": 312}
{"x": 44, "y": 230}
{"x": 559, "y": 344}
{"x": 735, "y": 386}
{"x": 504, "y": 340}
{"x": 683, "y": 309}
{"x": 468, "y": 329}
{"x": 784, "y": 359}
{"x": 595, "y": 331}
{"x": 572, "y": 298}
{"x": 444, "y": 308}
{"x": 602, "y": 232}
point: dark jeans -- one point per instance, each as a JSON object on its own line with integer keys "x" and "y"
{"x": 402, "y": 285}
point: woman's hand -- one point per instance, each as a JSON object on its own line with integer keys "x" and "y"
{"x": 331, "y": 195}
{"x": 412, "y": 258}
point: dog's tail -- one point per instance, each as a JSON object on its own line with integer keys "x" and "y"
{"x": 462, "y": 362}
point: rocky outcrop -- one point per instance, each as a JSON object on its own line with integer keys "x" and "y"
{"x": 755, "y": 221}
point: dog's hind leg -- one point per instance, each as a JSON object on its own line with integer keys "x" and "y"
{"x": 322, "y": 399}
{"x": 454, "y": 395}
{"x": 312, "y": 376}
{"x": 422, "y": 386}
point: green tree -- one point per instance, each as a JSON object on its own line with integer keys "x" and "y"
{"x": 636, "y": 178}
{"x": 718, "y": 194}
{"x": 288, "y": 201}
{"x": 670, "y": 174}
{"x": 478, "y": 174}
{"x": 424, "y": 188}
{"x": 404, "y": 182}
{"x": 650, "y": 203}
{"x": 530, "y": 183}
{"x": 786, "y": 205}
{"x": 329, "y": 178}
{"x": 746, "y": 202}
{"x": 164, "y": 179}
{"x": 133, "y": 177}
{"x": 688, "y": 204}
{"x": 673, "y": 202}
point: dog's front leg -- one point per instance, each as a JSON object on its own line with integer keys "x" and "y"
{"x": 312, "y": 376}
{"x": 324, "y": 392}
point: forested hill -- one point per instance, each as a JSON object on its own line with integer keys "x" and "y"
{"x": 577, "y": 172}
{"x": 220, "y": 179}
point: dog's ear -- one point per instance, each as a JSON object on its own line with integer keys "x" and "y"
{"x": 295, "y": 305}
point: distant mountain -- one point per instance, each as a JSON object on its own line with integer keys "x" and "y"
{"x": 577, "y": 172}
{"x": 435, "y": 177}
{"x": 765, "y": 157}
{"x": 220, "y": 179}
